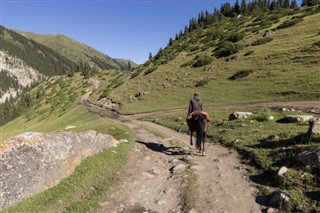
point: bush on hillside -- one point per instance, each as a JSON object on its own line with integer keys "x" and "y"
{"x": 136, "y": 72}
{"x": 290, "y": 23}
{"x": 235, "y": 37}
{"x": 202, "y": 61}
{"x": 240, "y": 74}
{"x": 226, "y": 48}
{"x": 262, "y": 41}
{"x": 248, "y": 53}
{"x": 317, "y": 44}
{"x": 187, "y": 64}
{"x": 263, "y": 114}
{"x": 202, "y": 82}
{"x": 150, "y": 70}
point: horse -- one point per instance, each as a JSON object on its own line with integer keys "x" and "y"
{"x": 198, "y": 124}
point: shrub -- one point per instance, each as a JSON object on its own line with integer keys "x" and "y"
{"x": 187, "y": 64}
{"x": 203, "y": 60}
{"x": 262, "y": 41}
{"x": 290, "y": 23}
{"x": 150, "y": 70}
{"x": 147, "y": 63}
{"x": 235, "y": 37}
{"x": 202, "y": 82}
{"x": 241, "y": 74}
{"x": 317, "y": 44}
{"x": 263, "y": 114}
{"x": 226, "y": 48}
{"x": 248, "y": 53}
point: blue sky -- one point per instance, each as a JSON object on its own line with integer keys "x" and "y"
{"x": 128, "y": 29}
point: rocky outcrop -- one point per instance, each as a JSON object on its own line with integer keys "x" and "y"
{"x": 309, "y": 157}
{"x": 314, "y": 127}
{"x": 32, "y": 162}
{"x": 236, "y": 115}
{"x": 298, "y": 118}
{"x": 25, "y": 75}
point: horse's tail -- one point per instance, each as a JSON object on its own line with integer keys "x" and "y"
{"x": 200, "y": 132}
{"x": 199, "y": 139}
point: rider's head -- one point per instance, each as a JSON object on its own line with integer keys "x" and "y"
{"x": 196, "y": 93}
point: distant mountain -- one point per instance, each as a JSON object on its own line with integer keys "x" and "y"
{"x": 25, "y": 62}
{"x": 77, "y": 52}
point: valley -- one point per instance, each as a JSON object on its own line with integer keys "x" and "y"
{"x": 256, "y": 71}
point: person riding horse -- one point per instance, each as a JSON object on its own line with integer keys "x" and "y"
{"x": 197, "y": 121}
{"x": 195, "y": 104}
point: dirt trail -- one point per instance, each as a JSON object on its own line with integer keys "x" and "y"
{"x": 165, "y": 174}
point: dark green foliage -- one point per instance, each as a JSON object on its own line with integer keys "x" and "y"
{"x": 235, "y": 37}
{"x": 187, "y": 64}
{"x": 248, "y": 53}
{"x": 136, "y": 72}
{"x": 226, "y": 48}
{"x": 240, "y": 74}
{"x": 263, "y": 114}
{"x": 33, "y": 54}
{"x": 262, "y": 41}
{"x": 202, "y": 82}
{"x": 290, "y": 23}
{"x": 202, "y": 60}
{"x": 317, "y": 44}
{"x": 8, "y": 81}
{"x": 150, "y": 70}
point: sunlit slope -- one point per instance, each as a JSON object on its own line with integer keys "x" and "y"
{"x": 54, "y": 105}
{"x": 77, "y": 51}
{"x": 285, "y": 67}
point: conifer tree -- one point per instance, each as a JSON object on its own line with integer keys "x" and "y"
{"x": 129, "y": 66}
{"x": 294, "y": 4}
{"x": 286, "y": 4}
{"x": 243, "y": 7}
{"x": 236, "y": 7}
{"x": 150, "y": 55}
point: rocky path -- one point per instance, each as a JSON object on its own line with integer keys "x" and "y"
{"x": 165, "y": 174}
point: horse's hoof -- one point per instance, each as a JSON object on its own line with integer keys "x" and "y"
{"x": 203, "y": 153}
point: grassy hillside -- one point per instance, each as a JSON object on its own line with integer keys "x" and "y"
{"x": 301, "y": 183}
{"x": 55, "y": 106}
{"x": 279, "y": 66}
{"x": 77, "y": 51}
{"x": 35, "y": 55}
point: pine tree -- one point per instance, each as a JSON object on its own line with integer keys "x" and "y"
{"x": 129, "y": 66}
{"x": 226, "y": 9}
{"x": 170, "y": 41}
{"x": 294, "y": 4}
{"x": 236, "y": 7}
{"x": 150, "y": 55}
{"x": 305, "y": 3}
{"x": 243, "y": 7}
{"x": 286, "y": 4}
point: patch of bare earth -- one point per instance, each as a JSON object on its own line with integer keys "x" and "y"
{"x": 165, "y": 174}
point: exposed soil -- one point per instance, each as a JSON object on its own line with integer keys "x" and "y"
{"x": 165, "y": 174}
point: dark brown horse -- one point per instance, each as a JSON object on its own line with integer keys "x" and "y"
{"x": 198, "y": 124}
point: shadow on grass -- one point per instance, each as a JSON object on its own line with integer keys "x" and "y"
{"x": 162, "y": 149}
{"x": 315, "y": 195}
{"x": 267, "y": 178}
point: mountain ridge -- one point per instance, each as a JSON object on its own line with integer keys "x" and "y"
{"x": 77, "y": 51}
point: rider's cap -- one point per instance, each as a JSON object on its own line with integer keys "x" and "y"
{"x": 196, "y": 93}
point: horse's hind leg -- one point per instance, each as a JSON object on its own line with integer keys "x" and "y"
{"x": 203, "y": 142}
{"x": 191, "y": 133}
